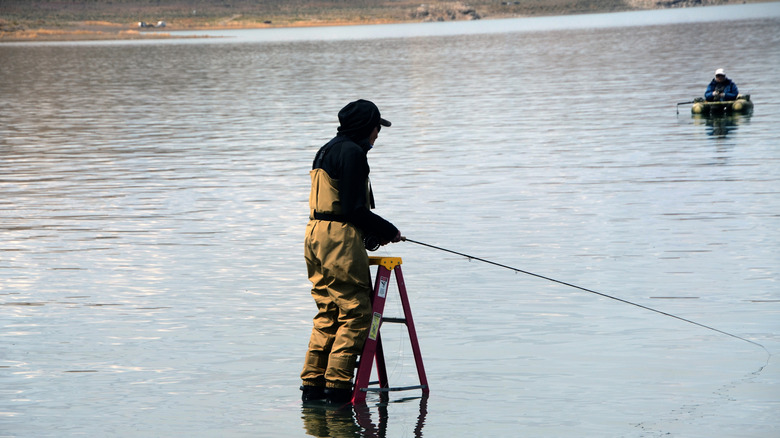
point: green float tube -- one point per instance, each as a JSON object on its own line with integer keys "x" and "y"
{"x": 742, "y": 105}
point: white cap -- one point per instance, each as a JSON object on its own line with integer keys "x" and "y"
{"x": 720, "y": 72}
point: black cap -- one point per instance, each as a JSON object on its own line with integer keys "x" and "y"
{"x": 359, "y": 118}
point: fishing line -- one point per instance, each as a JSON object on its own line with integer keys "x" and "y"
{"x": 470, "y": 257}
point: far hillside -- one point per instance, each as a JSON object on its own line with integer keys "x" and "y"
{"x": 251, "y": 13}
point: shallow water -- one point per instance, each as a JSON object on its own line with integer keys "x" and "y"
{"x": 155, "y": 193}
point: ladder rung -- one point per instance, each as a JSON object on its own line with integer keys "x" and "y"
{"x": 399, "y": 320}
{"x": 398, "y": 388}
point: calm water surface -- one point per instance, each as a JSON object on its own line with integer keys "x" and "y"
{"x": 154, "y": 196}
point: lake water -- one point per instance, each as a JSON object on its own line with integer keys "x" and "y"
{"x": 154, "y": 198}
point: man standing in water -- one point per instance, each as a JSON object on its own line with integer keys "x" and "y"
{"x": 340, "y": 221}
{"x": 721, "y": 88}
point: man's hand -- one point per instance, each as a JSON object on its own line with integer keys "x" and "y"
{"x": 398, "y": 237}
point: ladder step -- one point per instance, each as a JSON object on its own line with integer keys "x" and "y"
{"x": 398, "y": 320}
{"x": 398, "y": 388}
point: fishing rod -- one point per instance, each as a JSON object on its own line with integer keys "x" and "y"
{"x": 470, "y": 257}
{"x": 683, "y": 103}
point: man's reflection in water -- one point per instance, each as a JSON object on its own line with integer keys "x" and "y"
{"x": 720, "y": 126}
{"x": 322, "y": 420}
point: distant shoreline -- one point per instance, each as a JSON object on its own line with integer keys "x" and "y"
{"x": 97, "y": 31}
{"x": 15, "y": 29}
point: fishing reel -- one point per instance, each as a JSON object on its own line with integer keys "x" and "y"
{"x": 372, "y": 243}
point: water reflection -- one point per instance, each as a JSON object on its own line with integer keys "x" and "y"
{"x": 323, "y": 420}
{"x": 721, "y": 125}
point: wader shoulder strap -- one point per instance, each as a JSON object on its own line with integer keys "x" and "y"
{"x": 324, "y": 151}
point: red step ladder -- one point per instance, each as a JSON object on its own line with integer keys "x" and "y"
{"x": 373, "y": 346}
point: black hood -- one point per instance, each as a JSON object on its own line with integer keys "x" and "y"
{"x": 359, "y": 118}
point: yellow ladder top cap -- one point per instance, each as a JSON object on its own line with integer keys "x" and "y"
{"x": 388, "y": 262}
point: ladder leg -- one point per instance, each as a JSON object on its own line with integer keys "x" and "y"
{"x": 363, "y": 374}
{"x": 412, "y": 332}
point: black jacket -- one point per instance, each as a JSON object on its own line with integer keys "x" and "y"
{"x": 346, "y": 161}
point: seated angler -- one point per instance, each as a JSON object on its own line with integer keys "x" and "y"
{"x": 721, "y": 88}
